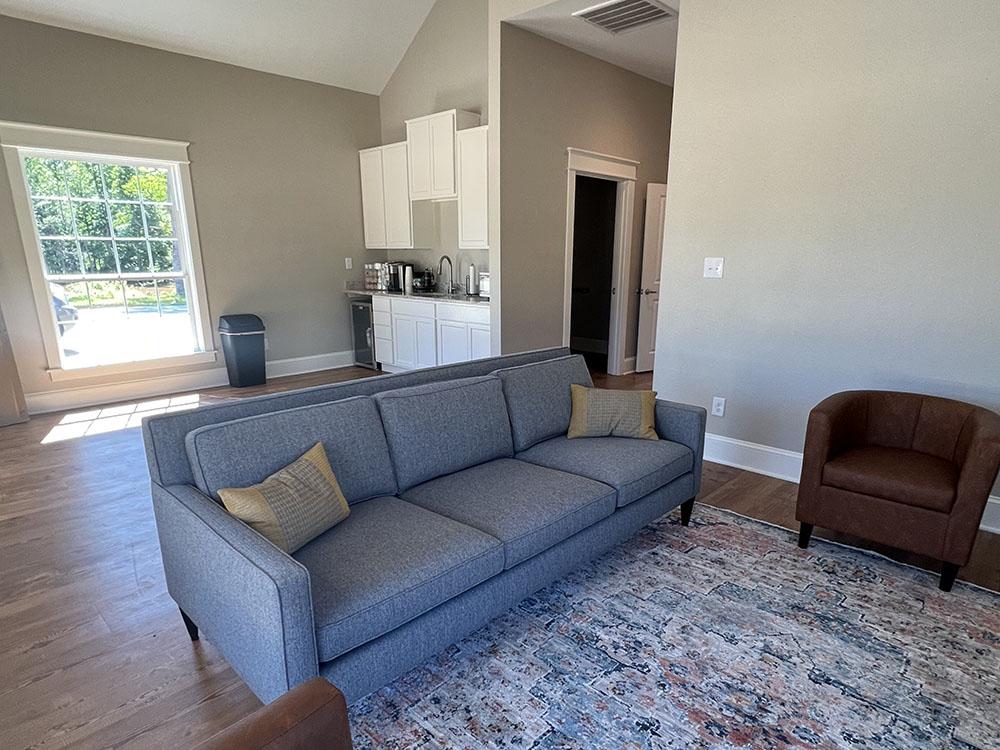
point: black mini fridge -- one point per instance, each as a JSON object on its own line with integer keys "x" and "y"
{"x": 363, "y": 332}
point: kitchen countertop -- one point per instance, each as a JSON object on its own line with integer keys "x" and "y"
{"x": 457, "y": 299}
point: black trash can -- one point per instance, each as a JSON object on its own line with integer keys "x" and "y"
{"x": 243, "y": 346}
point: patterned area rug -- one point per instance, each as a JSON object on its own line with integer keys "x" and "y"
{"x": 721, "y": 635}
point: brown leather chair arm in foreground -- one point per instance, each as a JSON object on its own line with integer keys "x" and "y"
{"x": 902, "y": 469}
{"x": 313, "y": 716}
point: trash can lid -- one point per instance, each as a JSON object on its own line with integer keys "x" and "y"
{"x": 245, "y": 323}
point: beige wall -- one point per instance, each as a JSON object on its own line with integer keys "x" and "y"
{"x": 444, "y": 67}
{"x": 844, "y": 158}
{"x": 552, "y": 98}
{"x": 274, "y": 167}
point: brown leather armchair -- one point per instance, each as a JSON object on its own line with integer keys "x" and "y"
{"x": 905, "y": 470}
{"x": 312, "y": 716}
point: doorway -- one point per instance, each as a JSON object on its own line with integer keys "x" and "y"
{"x": 600, "y": 194}
{"x": 593, "y": 262}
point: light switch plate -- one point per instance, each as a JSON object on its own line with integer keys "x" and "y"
{"x": 348, "y": 263}
{"x": 713, "y": 268}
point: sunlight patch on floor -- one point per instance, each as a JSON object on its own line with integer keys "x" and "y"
{"x": 98, "y": 421}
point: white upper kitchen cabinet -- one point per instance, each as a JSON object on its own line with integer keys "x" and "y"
{"x": 473, "y": 187}
{"x": 373, "y": 197}
{"x": 431, "y": 142}
{"x": 390, "y": 220}
{"x": 398, "y": 220}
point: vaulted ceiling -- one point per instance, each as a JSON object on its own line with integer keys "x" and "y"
{"x": 355, "y": 44}
{"x": 649, "y": 50}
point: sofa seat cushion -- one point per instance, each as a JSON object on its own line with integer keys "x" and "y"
{"x": 527, "y": 507}
{"x": 632, "y": 466}
{"x": 387, "y": 563}
{"x": 897, "y": 474}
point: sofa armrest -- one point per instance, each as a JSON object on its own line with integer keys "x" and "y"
{"x": 251, "y": 600}
{"x": 684, "y": 424}
{"x": 976, "y": 477}
{"x": 312, "y": 715}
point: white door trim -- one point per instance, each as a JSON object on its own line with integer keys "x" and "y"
{"x": 622, "y": 171}
{"x": 649, "y": 279}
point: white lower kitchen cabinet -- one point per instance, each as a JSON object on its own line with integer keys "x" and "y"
{"x": 479, "y": 341}
{"x": 414, "y": 341}
{"x": 382, "y": 322}
{"x": 463, "y": 332}
{"x": 413, "y": 333}
{"x": 453, "y": 342}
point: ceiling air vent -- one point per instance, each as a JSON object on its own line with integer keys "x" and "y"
{"x": 617, "y": 16}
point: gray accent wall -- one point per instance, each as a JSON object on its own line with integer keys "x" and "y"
{"x": 274, "y": 166}
{"x": 844, "y": 158}
{"x": 443, "y": 68}
{"x": 552, "y": 98}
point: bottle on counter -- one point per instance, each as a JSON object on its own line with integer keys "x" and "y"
{"x": 472, "y": 281}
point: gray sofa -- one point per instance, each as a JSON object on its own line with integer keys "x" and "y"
{"x": 465, "y": 497}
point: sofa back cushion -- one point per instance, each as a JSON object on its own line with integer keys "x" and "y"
{"x": 247, "y": 451}
{"x": 538, "y": 397}
{"x": 441, "y": 428}
{"x": 163, "y": 435}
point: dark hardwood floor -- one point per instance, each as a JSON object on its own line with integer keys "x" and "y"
{"x": 92, "y": 650}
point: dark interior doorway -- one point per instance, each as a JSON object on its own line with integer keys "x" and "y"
{"x": 593, "y": 263}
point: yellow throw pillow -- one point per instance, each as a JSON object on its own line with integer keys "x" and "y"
{"x": 599, "y": 412}
{"x": 295, "y": 504}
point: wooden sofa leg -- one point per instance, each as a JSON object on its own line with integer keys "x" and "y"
{"x": 948, "y": 573}
{"x": 686, "y": 509}
{"x": 191, "y": 627}
{"x": 805, "y": 533}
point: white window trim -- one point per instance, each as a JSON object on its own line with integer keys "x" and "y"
{"x": 20, "y": 139}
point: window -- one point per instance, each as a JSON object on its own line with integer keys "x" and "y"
{"x": 110, "y": 243}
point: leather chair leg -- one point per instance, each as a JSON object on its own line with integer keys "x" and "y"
{"x": 948, "y": 573}
{"x": 805, "y": 533}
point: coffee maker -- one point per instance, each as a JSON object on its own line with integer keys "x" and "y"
{"x": 397, "y": 276}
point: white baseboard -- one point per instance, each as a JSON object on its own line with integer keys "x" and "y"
{"x": 629, "y": 365}
{"x": 83, "y": 396}
{"x": 280, "y": 368}
{"x": 787, "y": 465}
{"x": 991, "y": 516}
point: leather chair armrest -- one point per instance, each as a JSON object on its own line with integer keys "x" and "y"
{"x": 835, "y": 424}
{"x": 975, "y": 481}
{"x": 313, "y": 715}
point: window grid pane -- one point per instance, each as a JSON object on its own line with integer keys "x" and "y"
{"x": 84, "y": 213}
{"x": 109, "y": 241}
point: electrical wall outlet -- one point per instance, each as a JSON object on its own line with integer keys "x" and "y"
{"x": 348, "y": 263}
{"x": 713, "y": 268}
{"x": 267, "y": 344}
{"x": 718, "y": 406}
